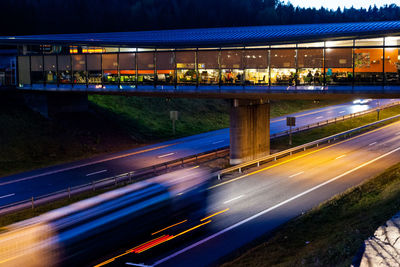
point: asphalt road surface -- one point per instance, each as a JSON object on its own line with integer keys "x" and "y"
{"x": 40, "y": 182}
{"x": 245, "y": 207}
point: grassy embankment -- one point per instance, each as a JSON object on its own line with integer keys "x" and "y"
{"x": 300, "y": 138}
{"x": 29, "y": 141}
{"x": 332, "y": 233}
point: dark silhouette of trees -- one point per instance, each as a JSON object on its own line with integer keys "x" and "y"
{"x": 19, "y": 17}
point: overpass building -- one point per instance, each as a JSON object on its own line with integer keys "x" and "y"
{"x": 249, "y": 65}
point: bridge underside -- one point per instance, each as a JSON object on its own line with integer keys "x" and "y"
{"x": 236, "y": 92}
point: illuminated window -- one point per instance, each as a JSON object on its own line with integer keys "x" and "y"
{"x": 50, "y": 69}
{"x": 37, "y": 69}
{"x": 165, "y": 67}
{"x": 232, "y": 67}
{"x": 283, "y": 64}
{"x": 208, "y": 67}
{"x": 256, "y": 66}
{"x": 145, "y": 68}
{"x": 127, "y": 68}
{"x": 339, "y": 66}
{"x": 110, "y": 68}
{"x": 392, "y": 66}
{"x": 185, "y": 64}
{"x": 94, "y": 69}
{"x": 79, "y": 69}
{"x": 368, "y": 66}
{"x": 310, "y": 66}
{"x": 64, "y": 70}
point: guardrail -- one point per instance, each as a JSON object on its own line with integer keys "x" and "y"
{"x": 136, "y": 175}
{"x": 290, "y": 151}
{"x": 162, "y": 167}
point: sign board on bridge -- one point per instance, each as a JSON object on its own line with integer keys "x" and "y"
{"x": 291, "y": 121}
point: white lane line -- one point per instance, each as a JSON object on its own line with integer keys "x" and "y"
{"x": 272, "y": 208}
{"x": 9, "y": 195}
{"x": 217, "y": 142}
{"x": 93, "y": 173}
{"x": 372, "y": 144}
{"x": 233, "y": 199}
{"x": 342, "y": 111}
{"x": 320, "y": 117}
{"x": 340, "y": 157}
{"x": 137, "y": 264}
{"x": 294, "y": 175}
{"x": 166, "y": 155}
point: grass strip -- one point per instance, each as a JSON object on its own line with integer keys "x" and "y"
{"x": 332, "y": 233}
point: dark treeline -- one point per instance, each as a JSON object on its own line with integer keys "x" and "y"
{"x": 19, "y": 17}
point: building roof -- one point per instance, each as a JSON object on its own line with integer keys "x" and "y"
{"x": 215, "y": 37}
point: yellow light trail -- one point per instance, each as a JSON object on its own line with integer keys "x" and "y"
{"x": 301, "y": 156}
{"x": 212, "y": 215}
{"x": 159, "y": 231}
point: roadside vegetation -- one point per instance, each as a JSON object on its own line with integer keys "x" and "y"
{"x": 332, "y": 233}
{"x": 300, "y": 138}
{"x": 114, "y": 123}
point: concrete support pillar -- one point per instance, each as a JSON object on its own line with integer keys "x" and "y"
{"x": 249, "y": 130}
{"x": 51, "y": 103}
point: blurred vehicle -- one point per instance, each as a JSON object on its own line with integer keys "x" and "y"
{"x": 81, "y": 232}
{"x": 361, "y": 101}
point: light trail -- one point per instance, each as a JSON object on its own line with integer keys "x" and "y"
{"x": 273, "y": 208}
{"x": 85, "y": 164}
{"x": 168, "y": 227}
{"x": 9, "y": 195}
{"x": 233, "y": 199}
{"x": 94, "y": 173}
{"x": 296, "y": 174}
{"x": 212, "y": 215}
{"x": 301, "y": 156}
{"x": 166, "y": 155}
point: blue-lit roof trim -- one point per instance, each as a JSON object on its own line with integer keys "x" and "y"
{"x": 235, "y": 36}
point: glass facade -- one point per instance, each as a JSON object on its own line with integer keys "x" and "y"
{"x": 359, "y": 62}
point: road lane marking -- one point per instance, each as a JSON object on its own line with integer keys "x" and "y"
{"x": 86, "y": 164}
{"x": 9, "y": 195}
{"x": 325, "y": 109}
{"x": 166, "y": 155}
{"x": 212, "y": 215}
{"x": 273, "y": 207}
{"x": 169, "y": 227}
{"x": 342, "y": 111}
{"x": 233, "y": 199}
{"x": 372, "y": 144}
{"x": 94, "y": 173}
{"x": 217, "y": 142}
{"x": 320, "y": 117}
{"x": 301, "y": 156}
{"x": 294, "y": 175}
{"x": 137, "y": 264}
{"x": 340, "y": 157}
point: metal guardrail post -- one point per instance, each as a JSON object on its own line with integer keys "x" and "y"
{"x": 33, "y": 203}
{"x": 69, "y": 192}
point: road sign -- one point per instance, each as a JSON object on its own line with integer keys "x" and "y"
{"x": 291, "y": 121}
{"x": 173, "y": 115}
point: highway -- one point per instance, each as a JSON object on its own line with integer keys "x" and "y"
{"x": 44, "y": 181}
{"x": 248, "y": 206}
